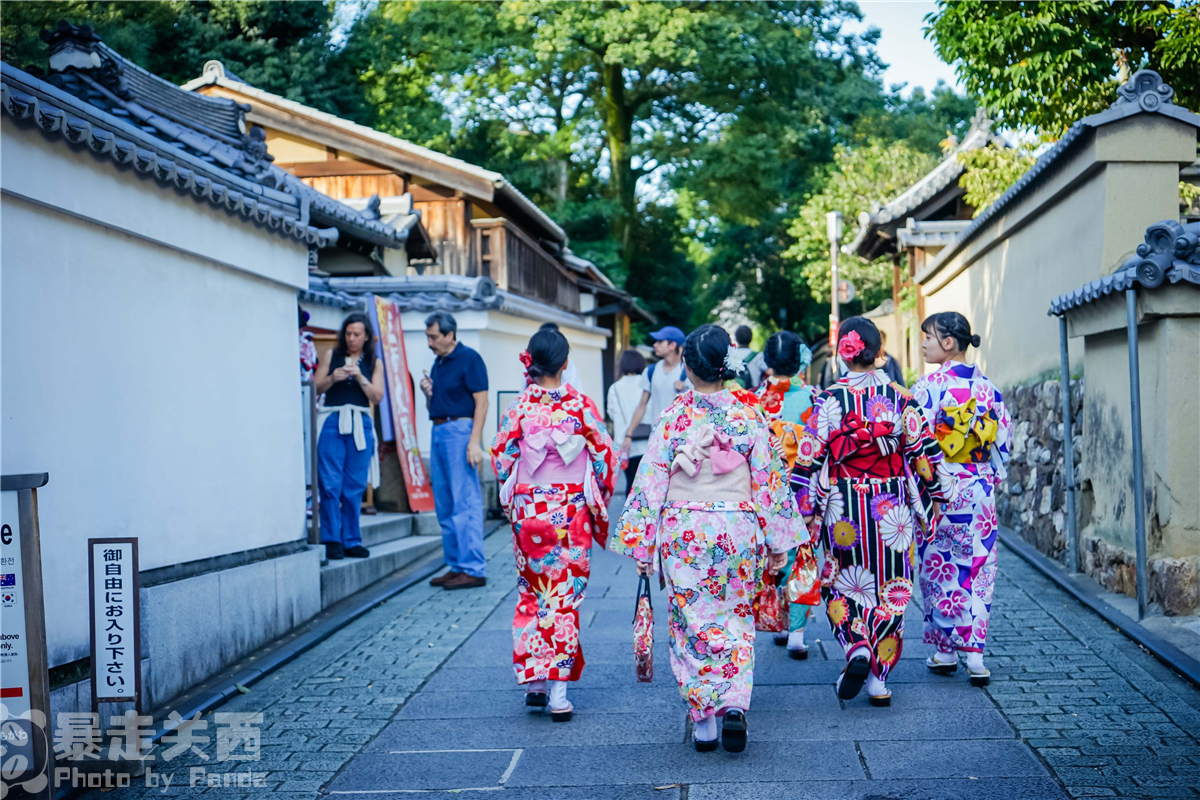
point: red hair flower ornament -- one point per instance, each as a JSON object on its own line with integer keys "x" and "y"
{"x": 526, "y": 359}
{"x": 850, "y": 345}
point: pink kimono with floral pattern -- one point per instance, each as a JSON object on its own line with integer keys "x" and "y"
{"x": 710, "y": 499}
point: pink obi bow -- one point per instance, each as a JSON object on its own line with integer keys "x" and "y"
{"x": 708, "y": 443}
{"x": 562, "y": 437}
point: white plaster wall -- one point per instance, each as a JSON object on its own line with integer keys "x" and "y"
{"x": 157, "y": 388}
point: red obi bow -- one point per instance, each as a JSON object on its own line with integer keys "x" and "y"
{"x": 856, "y": 434}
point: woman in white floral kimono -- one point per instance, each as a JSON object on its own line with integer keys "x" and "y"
{"x": 958, "y": 562}
{"x": 709, "y": 502}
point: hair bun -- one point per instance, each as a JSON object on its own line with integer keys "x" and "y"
{"x": 975, "y": 340}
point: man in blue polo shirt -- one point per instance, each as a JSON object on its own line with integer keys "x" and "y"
{"x": 456, "y": 390}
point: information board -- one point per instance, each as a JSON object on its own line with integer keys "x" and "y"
{"x": 116, "y": 643}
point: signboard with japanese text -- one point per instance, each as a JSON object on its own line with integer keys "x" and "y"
{"x": 14, "y": 655}
{"x": 400, "y": 395}
{"x": 116, "y": 640}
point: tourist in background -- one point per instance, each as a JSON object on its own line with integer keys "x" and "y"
{"x": 623, "y": 397}
{"x": 958, "y": 562}
{"x": 556, "y": 466}
{"x": 457, "y": 392}
{"x": 752, "y": 364}
{"x": 708, "y": 505}
{"x": 870, "y": 471}
{"x": 787, "y": 402}
{"x": 661, "y": 382}
{"x": 351, "y": 379}
{"x": 885, "y": 362}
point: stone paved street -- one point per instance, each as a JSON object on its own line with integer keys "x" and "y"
{"x": 417, "y": 696}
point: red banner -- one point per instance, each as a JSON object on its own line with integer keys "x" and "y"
{"x": 400, "y": 393}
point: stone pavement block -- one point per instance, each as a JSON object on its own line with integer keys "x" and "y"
{"x": 440, "y": 768}
{"x": 866, "y": 723}
{"x": 543, "y": 793}
{"x": 992, "y": 789}
{"x": 656, "y": 698}
{"x": 534, "y": 729}
{"x": 501, "y": 676}
{"x": 679, "y": 763}
{"x": 771, "y": 671}
{"x": 950, "y": 759}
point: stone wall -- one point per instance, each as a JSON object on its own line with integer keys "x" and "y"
{"x": 1032, "y": 501}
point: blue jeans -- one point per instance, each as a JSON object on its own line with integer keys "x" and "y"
{"x": 343, "y": 469}
{"x": 457, "y": 498}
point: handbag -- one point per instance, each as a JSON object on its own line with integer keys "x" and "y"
{"x": 768, "y": 606}
{"x": 643, "y": 632}
{"x": 803, "y": 584}
{"x": 643, "y": 429}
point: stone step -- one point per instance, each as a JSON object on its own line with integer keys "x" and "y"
{"x": 387, "y": 526}
{"x": 340, "y": 579}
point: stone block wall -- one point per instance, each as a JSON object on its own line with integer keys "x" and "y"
{"x": 1032, "y": 501}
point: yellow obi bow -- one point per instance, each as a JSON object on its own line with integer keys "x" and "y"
{"x": 963, "y": 436}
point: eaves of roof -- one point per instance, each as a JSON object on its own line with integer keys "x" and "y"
{"x": 1144, "y": 93}
{"x": 28, "y": 99}
{"x": 442, "y": 293}
{"x": 1170, "y": 252}
{"x": 214, "y": 75}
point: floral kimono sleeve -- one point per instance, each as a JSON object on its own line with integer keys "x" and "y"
{"x": 638, "y": 528}
{"x": 773, "y": 502}
{"x": 506, "y": 449}
{"x": 604, "y": 456}
{"x": 925, "y": 460}
{"x": 812, "y": 453}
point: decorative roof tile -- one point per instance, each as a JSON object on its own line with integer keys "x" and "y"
{"x": 1170, "y": 252}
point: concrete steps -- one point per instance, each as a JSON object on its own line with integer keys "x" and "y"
{"x": 395, "y": 541}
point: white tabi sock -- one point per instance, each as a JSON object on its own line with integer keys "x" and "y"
{"x": 945, "y": 658}
{"x": 875, "y": 685}
{"x": 535, "y": 686}
{"x": 975, "y": 663}
{"x": 706, "y": 730}
{"x": 795, "y": 640}
{"x": 558, "y": 695}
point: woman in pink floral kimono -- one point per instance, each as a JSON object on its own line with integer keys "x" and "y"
{"x": 556, "y": 465}
{"x": 711, "y": 508}
{"x": 958, "y": 561}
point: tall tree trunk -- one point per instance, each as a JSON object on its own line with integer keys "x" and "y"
{"x": 618, "y": 121}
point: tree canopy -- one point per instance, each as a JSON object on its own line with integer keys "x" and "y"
{"x": 1043, "y": 65}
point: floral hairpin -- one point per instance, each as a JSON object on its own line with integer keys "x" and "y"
{"x": 526, "y": 359}
{"x": 732, "y": 362}
{"x": 850, "y": 345}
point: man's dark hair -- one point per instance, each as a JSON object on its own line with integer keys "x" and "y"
{"x": 632, "y": 362}
{"x": 743, "y": 335}
{"x": 445, "y": 321}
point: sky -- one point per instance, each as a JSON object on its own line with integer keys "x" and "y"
{"x": 910, "y": 56}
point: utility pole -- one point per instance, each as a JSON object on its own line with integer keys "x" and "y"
{"x": 833, "y": 227}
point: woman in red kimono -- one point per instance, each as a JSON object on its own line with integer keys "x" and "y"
{"x": 556, "y": 465}
{"x": 869, "y": 468}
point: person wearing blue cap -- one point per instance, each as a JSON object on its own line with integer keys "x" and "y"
{"x": 660, "y": 382}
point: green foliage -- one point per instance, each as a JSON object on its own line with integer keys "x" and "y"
{"x": 859, "y": 175}
{"x": 990, "y": 171}
{"x": 1043, "y": 65}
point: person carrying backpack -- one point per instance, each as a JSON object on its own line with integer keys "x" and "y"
{"x": 660, "y": 383}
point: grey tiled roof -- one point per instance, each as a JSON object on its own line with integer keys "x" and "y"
{"x": 1144, "y": 93}
{"x": 95, "y": 97}
{"x": 1171, "y": 252}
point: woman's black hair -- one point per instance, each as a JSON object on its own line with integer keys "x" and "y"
{"x": 705, "y": 350}
{"x": 549, "y": 349}
{"x": 783, "y": 353}
{"x": 954, "y": 325}
{"x": 869, "y": 334}
{"x": 368, "y": 351}
{"x": 632, "y": 362}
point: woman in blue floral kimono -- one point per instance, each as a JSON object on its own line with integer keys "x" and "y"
{"x": 711, "y": 508}
{"x": 556, "y": 466}
{"x": 869, "y": 466}
{"x": 787, "y": 401}
{"x": 958, "y": 563}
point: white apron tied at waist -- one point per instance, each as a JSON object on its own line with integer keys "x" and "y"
{"x": 350, "y": 421}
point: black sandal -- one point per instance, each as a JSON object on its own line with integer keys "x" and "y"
{"x": 938, "y": 668}
{"x": 733, "y": 731}
{"x": 780, "y": 639}
{"x": 853, "y": 678}
{"x": 537, "y": 699}
{"x": 799, "y": 655}
{"x": 563, "y": 714}
{"x": 703, "y": 746}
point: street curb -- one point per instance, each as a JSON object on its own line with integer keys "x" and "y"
{"x": 1079, "y": 588}
{"x": 363, "y": 602}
